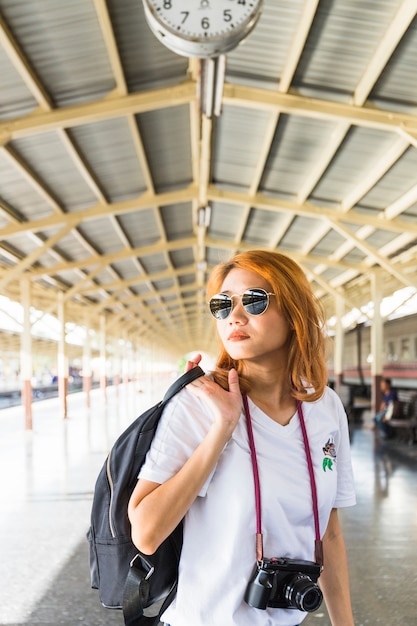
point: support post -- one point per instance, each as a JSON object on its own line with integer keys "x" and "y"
{"x": 126, "y": 358}
{"x": 87, "y": 371}
{"x": 26, "y": 354}
{"x": 62, "y": 358}
{"x": 103, "y": 373}
{"x": 377, "y": 339}
{"x": 339, "y": 344}
{"x": 117, "y": 366}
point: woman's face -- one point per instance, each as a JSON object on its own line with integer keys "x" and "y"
{"x": 252, "y": 337}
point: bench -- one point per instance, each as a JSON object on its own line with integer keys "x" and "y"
{"x": 404, "y": 418}
{"x": 355, "y": 402}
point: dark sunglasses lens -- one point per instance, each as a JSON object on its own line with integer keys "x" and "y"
{"x": 255, "y": 301}
{"x": 220, "y": 306}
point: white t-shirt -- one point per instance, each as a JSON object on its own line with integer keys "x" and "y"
{"x": 218, "y": 554}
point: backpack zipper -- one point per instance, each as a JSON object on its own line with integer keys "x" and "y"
{"x": 110, "y": 479}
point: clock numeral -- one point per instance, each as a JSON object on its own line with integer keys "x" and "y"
{"x": 185, "y": 14}
{"x": 227, "y": 16}
{"x": 205, "y": 23}
{"x": 167, "y": 4}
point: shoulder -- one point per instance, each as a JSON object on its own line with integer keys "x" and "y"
{"x": 330, "y": 395}
{"x": 328, "y": 409}
{"x": 182, "y": 426}
{"x": 329, "y": 400}
{"x": 186, "y": 411}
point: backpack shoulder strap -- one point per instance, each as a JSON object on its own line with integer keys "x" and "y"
{"x": 182, "y": 382}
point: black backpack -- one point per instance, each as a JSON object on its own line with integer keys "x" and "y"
{"x": 143, "y": 586}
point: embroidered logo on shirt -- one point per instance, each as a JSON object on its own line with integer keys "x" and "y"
{"x": 329, "y": 455}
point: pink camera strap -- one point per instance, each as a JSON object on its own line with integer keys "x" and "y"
{"x": 318, "y": 544}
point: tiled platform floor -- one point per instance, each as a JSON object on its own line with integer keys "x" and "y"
{"x": 47, "y": 478}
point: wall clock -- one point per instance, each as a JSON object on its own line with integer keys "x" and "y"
{"x": 202, "y": 28}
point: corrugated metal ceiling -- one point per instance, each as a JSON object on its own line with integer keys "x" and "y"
{"x": 105, "y": 158}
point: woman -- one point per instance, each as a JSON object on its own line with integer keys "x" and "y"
{"x": 271, "y": 364}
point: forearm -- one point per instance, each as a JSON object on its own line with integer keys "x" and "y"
{"x": 334, "y": 580}
{"x": 154, "y": 514}
{"x": 155, "y": 510}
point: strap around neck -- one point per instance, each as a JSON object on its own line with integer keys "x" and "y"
{"x": 259, "y": 542}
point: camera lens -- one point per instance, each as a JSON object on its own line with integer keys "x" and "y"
{"x": 302, "y": 593}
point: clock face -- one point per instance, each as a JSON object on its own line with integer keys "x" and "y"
{"x": 202, "y": 27}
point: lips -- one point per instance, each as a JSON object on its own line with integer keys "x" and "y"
{"x": 237, "y": 336}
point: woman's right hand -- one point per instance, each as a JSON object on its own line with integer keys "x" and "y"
{"x": 226, "y": 405}
{"x": 193, "y": 363}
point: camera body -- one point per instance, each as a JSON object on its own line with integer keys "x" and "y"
{"x": 285, "y": 583}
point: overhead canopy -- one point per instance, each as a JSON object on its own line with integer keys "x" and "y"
{"x": 107, "y": 164}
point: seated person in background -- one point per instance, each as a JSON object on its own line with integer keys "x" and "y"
{"x": 389, "y": 396}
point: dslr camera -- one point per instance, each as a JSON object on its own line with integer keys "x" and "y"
{"x": 285, "y": 583}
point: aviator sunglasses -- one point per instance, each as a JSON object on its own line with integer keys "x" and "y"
{"x": 254, "y": 301}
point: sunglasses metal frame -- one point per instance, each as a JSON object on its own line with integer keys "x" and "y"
{"x": 231, "y": 297}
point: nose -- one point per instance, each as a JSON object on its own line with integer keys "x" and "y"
{"x": 238, "y": 310}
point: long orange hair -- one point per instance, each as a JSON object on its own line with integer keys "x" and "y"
{"x": 306, "y": 363}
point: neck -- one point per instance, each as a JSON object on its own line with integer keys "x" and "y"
{"x": 267, "y": 380}
{"x": 271, "y": 392}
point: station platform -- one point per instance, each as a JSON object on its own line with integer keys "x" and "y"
{"x": 47, "y": 478}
